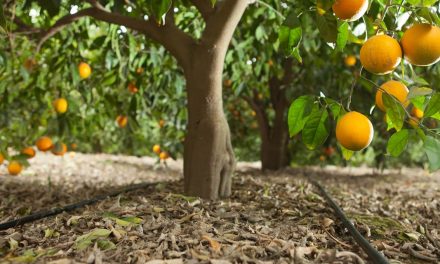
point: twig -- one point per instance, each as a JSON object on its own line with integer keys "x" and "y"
{"x": 337, "y": 240}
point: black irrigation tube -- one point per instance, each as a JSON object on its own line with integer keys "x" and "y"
{"x": 70, "y": 207}
{"x": 374, "y": 255}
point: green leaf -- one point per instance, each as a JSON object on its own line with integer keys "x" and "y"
{"x": 418, "y": 102}
{"x": 342, "y": 38}
{"x": 159, "y": 8}
{"x": 419, "y": 91}
{"x": 432, "y": 150}
{"x": 346, "y": 153}
{"x": 298, "y": 113}
{"x": 397, "y": 143}
{"x": 433, "y": 106}
{"x": 327, "y": 26}
{"x": 124, "y": 221}
{"x": 316, "y": 130}
{"x": 395, "y": 112}
{"x": 422, "y": 2}
{"x": 84, "y": 241}
{"x": 290, "y": 35}
{"x": 105, "y": 244}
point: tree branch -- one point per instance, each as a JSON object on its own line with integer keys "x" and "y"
{"x": 262, "y": 119}
{"x": 221, "y": 26}
{"x": 172, "y": 38}
{"x": 204, "y": 7}
{"x": 61, "y": 23}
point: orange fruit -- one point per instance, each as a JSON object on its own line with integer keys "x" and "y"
{"x": 60, "y": 105}
{"x": 381, "y": 54}
{"x": 84, "y": 70}
{"x": 29, "y": 151}
{"x": 132, "y": 88}
{"x": 44, "y": 143}
{"x": 253, "y": 113}
{"x": 2, "y": 159}
{"x": 30, "y": 64}
{"x": 350, "y": 10}
{"x": 161, "y": 123}
{"x": 156, "y": 149}
{"x": 164, "y": 155}
{"x": 227, "y": 83}
{"x": 73, "y": 146}
{"x": 350, "y": 61}
{"x": 417, "y": 113}
{"x": 270, "y": 63}
{"x": 14, "y": 167}
{"x": 122, "y": 121}
{"x": 394, "y": 88}
{"x": 421, "y": 44}
{"x": 354, "y": 131}
{"x": 139, "y": 70}
{"x": 59, "y": 149}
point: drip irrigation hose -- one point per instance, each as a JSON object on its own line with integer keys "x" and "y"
{"x": 70, "y": 207}
{"x": 374, "y": 255}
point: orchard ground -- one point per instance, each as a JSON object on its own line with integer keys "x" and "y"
{"x": 273, "y": 217}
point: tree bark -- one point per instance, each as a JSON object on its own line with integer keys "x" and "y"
{"x": 208, "y": 156}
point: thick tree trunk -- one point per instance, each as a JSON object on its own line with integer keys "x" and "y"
{"x": 208, "y": 156}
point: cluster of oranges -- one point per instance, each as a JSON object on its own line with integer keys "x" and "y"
{"x": 380, "y": 55}
{"x": 163, "y": 155}
{"x": 43, "y": 144}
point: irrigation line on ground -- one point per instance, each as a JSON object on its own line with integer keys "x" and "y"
{"x": 374, "y": 255}
{"x": 70, "y": 207}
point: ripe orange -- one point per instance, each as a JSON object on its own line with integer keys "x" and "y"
{"x": 14, "y": 167}
{"x": 2, "y": 159}
{"x": 381, "y": 54}
{"x": 139, "y": 70}
{"x": 84, "y": 70}
{"x": 350, "y": 10}
{"x": 394, "y": 88}
{"x": 417, "y": 113}
{"x": 122, "y": 121}
{"x": 30, "y": 64}
{"x": 354, "y": 131}
{"x": 44, "y": 143}
{"x": 59, "y": 149}
{"x": 253, "y": 113}
{"x": 132, "y": 88}
{"x": 420, "y": 44}
{"x": 350, "y": 61}
{"x": 73, "y": 146}
{"x": 161, "y": 123}
{"x": 29, "y": 151}
{"x": 60, "y": 105}
{"x": 270, "y": 63}
{"x": 156, "y": 149}
{"x": 227, "y": 83}
{"x": 164, "y": 155}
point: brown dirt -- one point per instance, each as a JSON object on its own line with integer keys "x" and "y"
{"x": 270, "y": 218}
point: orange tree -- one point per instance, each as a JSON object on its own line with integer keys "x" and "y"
{"x": 208, "y": 156}
{"x": 408, "y": 112}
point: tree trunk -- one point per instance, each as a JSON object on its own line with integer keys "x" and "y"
{"x": 273, "y": 151}
{"x": 208, "y": 156}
